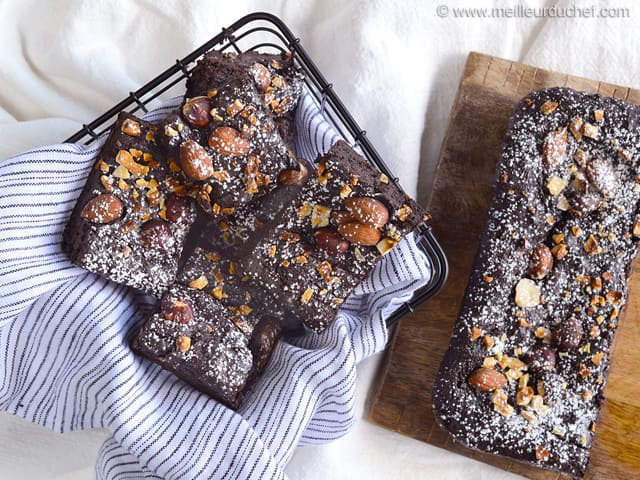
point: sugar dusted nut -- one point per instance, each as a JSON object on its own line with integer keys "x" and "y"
{"x": 487, "y": 379}
{"x": 293, "y": 176}
{"x": 527, "y": 293}
{"x": 196, "y": 111}
{"x": 131, "y": 127}
{"x": 368, "y": 211}
{"x": 586, "y": 202}
{"x": 228, "y": 141}
{"x": 360, "y": 234}
{"x": 554, "y": 150}
{"x": 195, "y": 161}
{"x": 183, "y": 343}
{"x": 555, "y": 185}
{"x": 568, "y": 334}
{"x": 636, "y": 228}
{"x": 540, "y": 262}
{"x": 157, "y": 234}
{"x": 385, "y": 245}
{"x": 602, "y": 176}
{"x": 262, "y": 76}
{"x": 540, "y": 358}
{"x": 341, "y": 217}
{"x": 179, "y": 310}
{"x": 330, "y": 242}
{"x": 102, "y": 209}
{"x": 177, "y": 208}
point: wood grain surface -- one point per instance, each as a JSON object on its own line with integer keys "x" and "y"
{"x": 489, "y": 91}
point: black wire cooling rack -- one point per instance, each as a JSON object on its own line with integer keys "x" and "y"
{"x": 267, "y": 33}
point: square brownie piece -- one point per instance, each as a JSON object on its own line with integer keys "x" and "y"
{"x": 224, "y": 145}
{"x": 128, "y": 225}
{"x": 343, "y": 220}
{"x": 195, "y": 337}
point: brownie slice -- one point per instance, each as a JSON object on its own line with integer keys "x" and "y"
{"x": 127, "y": 224}
{"x": 224, "y": 146}
{"x": 276, "y": 78}
{"x": 344, "y": 219}
{"x": 528, "y": 360}
{"x": 195, "y": 337}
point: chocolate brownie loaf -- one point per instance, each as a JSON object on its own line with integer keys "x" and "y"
{"x": 330, "y": 237}
{"x": 526, "y": 368}
{"x": 128, "y": 225}
{"x": 196, "y": 338}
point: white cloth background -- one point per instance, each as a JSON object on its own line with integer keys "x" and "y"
{"x": 396, "y": 64}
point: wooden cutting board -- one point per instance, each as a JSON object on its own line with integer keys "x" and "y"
{"x": 489, "y": 91}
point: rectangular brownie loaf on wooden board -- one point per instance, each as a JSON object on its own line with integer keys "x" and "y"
{"x": 529, "y": 356}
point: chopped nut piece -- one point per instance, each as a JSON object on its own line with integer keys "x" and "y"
{"x": 576, "y": 231}
{"x": 591, "y": 246}
{"x": 558, "y": 238}
{"x": 345, "y": 191}
{"x": 304, "y": 211}
{"x": 131, "y": 127}
{"x": 524, "y": 396}
{"x": 183, "y": 343}
{"x": 501, "y": 404}
{"x": 590, "y": 130}
{"x": 555, "y": 185}
{"x": 124, "y": 158}
{"x": 199, "y": 283}
{"x": 529, "y": 415}
{"x": 488, "y": 278}
{"x": 404, "y": 212}
{"x": 563, "y": 204}
{"x": 488, "y": 341}
{"x": 542, "y": 454}
{"x": 107, "y": 183}
{"x": 598, "y": 115}
{"x": 476, "y": 333}
{"x": 613, "y": 297}
{"x": 489, "y": 362}
{"x": 306, "y": 296}
{"x": 385, "y": 245}
{"x": 320, "y": 216}
{"x": 527, "y": 293}
{"x": 235, "y": 108}
{"x": 218, "y": 292}
{"x": 548, "y": 107}
{"x": 576, "y": 128}
{"x": 597, "y": 358}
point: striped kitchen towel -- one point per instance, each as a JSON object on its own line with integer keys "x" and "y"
{"x": 65, "y": 362}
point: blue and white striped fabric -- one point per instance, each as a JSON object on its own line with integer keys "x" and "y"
{"x": 64, "y": 334}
